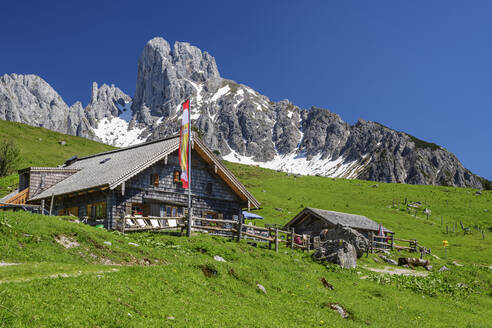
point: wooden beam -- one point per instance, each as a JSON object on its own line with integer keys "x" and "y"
{"x": 123, "y": 187}
{"x": 165, "y": 160}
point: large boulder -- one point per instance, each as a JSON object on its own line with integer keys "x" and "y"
{"x": 339, "y": 252}
{"x": 350, "y": 235}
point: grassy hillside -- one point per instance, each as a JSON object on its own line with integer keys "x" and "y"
{"x": 144, "y": 279}
{"x": 41, "y": 147}
{"x": 283, "y": 196}
{"x": 173, "y": 281}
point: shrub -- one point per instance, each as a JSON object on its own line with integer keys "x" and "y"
{"x": 9, "y": 156}
{"x": 486, "y": 184}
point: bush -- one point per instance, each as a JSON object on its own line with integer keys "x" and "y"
{"x": 9, "y": 156}
{"x": 486, "y": 184}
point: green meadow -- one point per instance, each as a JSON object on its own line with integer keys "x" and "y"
{"x": 158, "y": 280}
{"x": 42, "y": 147}
{"x": 107, "y": 279}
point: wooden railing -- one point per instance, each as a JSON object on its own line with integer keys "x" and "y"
{"x": 386, "y": 243}
{"x": 228, "y": 228}
{"x": 20, "y": 198}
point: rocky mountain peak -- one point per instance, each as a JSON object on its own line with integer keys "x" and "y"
{"x": 234, "y": 120}
{"x": 165, "y": 78}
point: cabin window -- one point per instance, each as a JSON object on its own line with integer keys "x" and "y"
{"x": 154, "y": 179}
{"x": 97, "y": 210}
{"x": 177, "y": 176}
{"x": 209, "y": 188}
{"x": 171, "y": 211}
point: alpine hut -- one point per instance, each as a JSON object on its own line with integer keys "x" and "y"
{"x": 311, "y": 221}
{"x": 141, "y": 180}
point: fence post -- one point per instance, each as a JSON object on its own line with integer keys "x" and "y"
{"x": 239, "y": 229}
{"x": 42, "y": 207}
{"x": 51, "y": 203}
{"x": 276, "y": 240}
{"x": 392, "y": 242}
{"x": 293, "y": 235}
{"x": 269, "y": 236}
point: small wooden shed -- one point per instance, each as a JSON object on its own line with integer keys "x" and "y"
{"x": 311, "y": 221}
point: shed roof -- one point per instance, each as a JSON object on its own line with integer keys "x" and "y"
{"x": 351, "y": 220}
{"x": 110, "y": 169}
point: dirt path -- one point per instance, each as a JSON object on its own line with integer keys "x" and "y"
{"x": 7, "y": 264}
{"x": 399, "y": 271}
{"x": 59, "y": 275}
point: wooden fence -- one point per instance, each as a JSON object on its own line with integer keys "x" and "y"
{"x": 386, "y": 243}
{"x": 273, "y": 235}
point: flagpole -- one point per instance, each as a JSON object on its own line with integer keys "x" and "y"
{"x": 190, "y": 219}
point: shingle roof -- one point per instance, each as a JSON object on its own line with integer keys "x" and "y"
{"x": 351, "y": 220}
{"x": 110, "y": 169}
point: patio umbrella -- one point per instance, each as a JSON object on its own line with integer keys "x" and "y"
{"x": 251, "y": 216}
{"x": 380, "y": 231}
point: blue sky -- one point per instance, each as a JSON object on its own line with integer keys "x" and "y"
{"x": 423, "y": 67}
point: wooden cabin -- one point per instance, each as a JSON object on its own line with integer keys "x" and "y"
{"x": 139, "y": 180}
{"x": 311, "y": 221}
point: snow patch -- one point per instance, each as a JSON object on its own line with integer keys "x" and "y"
{"x": 198, "y": 88}
{"x": 299, "y": 164}
{"x": 194, "y": 116}
{"x": 251, "y": 91}
{"x": 221, "y": 92}
{"x": 114, "y": 131}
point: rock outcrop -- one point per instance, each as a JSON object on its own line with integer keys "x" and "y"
{"x": 339, "y": 252}
{"x": 350, "y": 235}
{"x": 29, "y": 99}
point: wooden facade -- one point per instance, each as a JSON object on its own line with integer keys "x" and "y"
{"x": 154, "y": 190}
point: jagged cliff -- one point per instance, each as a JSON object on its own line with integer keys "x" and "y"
{"x": 233, "y": 119}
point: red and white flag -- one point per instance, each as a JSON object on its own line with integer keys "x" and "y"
{"x": 184, "y": 138}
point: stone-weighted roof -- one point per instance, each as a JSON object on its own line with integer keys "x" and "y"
{"x": 351, "y": 220}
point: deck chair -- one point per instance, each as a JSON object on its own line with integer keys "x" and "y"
{"x": 130, "y": 223}
{"x": 154, "y": 223}
{"x": 141, "y": 223}
{"x": 172, "y": 222}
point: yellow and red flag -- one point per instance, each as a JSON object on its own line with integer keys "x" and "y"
{"x": 184, "y": 143}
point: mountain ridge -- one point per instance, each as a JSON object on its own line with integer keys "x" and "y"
{"x": 241, "y": 124}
